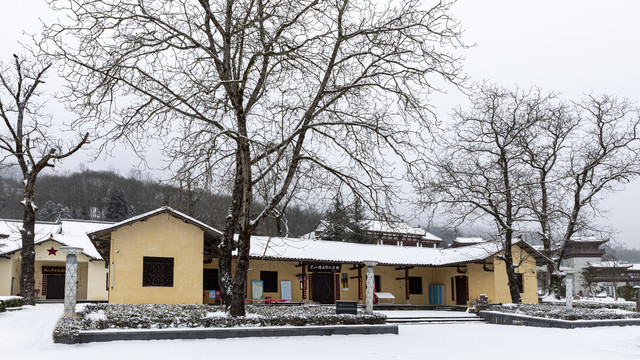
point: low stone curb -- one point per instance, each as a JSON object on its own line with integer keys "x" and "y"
{"x": 494, "y": 317}
{"x": 219, "y": 333}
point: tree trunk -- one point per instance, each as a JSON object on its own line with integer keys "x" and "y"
{"x": 511, "y": 276}
{"x": 28, "y": 263}
{"x": 240, "y": 278}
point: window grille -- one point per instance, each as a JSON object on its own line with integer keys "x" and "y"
{"x": 157, "y": 271}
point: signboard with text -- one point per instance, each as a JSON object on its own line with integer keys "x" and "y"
{"x": 285, "y": 291}
{"x": 257, "y": 289}
{"x": 347, "y": 307}
{"x": 324, "y": 267}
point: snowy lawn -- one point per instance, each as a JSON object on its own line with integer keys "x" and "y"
{"x": 26, "y": 334}
{"x": 581, "y": 311}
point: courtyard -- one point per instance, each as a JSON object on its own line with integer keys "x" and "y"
{"x": 27, "y": 334}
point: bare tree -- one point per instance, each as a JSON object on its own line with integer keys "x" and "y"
{"x": 26, "y": 140}
{"x": 605, "y": 155}
{"x": 579, "y": 152}
{"x": 476, "y": 167}
{"x": 526, "y": 158}
{"x": 253, "y": 91}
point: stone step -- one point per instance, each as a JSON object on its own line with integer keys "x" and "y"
{"x": 424, "y": 320}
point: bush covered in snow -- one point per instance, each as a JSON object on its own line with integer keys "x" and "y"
{"x": 581, "y": 311}
{"x": 113, "y": 316}
{"x": 10, "y": 301}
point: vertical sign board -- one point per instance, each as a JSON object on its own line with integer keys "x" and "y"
{"x": 256, "y": 290}
{"x": 285, "y": 291}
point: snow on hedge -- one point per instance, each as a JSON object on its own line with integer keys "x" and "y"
{"x": 114, "y": 316}
{"x": 581, "y": 311}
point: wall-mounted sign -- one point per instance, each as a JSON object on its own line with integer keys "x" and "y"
{"x": 324, "y": 267}
{"x": 53, "y": 270}
{"x": 214, "y": 294}
{"x": 285, "y": 291}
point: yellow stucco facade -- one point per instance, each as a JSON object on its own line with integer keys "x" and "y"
{"x": 91, "y": 273}
{"x": 160, "y": 236}
{"x": 489, "y": 279}
{"x": 167, "y": 235}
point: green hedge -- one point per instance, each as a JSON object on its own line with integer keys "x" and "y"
{"x": 114, "y": 316}
{"x": 12, "y": 302}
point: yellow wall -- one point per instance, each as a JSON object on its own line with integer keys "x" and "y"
{"x": 529, "y": 276}
{"x": 97, "y": 281}
{"x": 158, "y": 236}
{"x": 491, "y": 283}
{"x": 87, "y": 267}
{"x": 5, "y": 276}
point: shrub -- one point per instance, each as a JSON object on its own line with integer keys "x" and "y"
{"x": 15, "y": 301}
{"x": 581, "y": 311}
{"x": 114, "y": 316}
{"x": 627, "y": 292}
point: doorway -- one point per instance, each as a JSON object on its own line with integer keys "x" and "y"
{"x": 462, "y": 289}
{"x": 55, "y": 286}
{"x": 322, "y": 290}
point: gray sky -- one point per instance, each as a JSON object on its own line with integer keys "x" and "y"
{"x": 572, "y": 47}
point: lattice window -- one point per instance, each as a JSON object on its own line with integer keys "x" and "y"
{"x": 157, "y": 271}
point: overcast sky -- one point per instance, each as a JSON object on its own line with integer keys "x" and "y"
{"x": 572, "y": 47}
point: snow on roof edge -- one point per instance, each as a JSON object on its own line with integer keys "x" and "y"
{"x": 154, "y": 212}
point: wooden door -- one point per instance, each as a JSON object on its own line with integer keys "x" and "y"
{"x": 55, "y": 286}
{"x": 322, "y": 291}
{"x": 462, "y": 290}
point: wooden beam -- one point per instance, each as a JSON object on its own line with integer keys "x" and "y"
{"x": 462, "y": 269}
{"x": 404, "y": 268}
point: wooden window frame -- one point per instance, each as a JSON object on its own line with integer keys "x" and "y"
{"x": 157, "y": 271}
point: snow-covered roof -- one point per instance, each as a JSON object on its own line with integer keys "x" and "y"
{"x": 469, "y": 240}
{"x": 337, "y": 251}
{"x": 67, "y": 233}
{"x": 587, "y": 239}
{"x": 635, "y": 267}
{"x": 165, "y": 209}
{"x": 608, "y": 265}
{"x": 396, "y": 227}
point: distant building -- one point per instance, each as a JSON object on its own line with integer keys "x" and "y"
{"x": 390, "y": 233}
{"x": 583, "y": 254}
{"x": 466, "y": 241}
{"x": 608, "y": 275}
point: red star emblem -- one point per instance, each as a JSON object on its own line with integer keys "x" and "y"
{"x": 52, "y": 251}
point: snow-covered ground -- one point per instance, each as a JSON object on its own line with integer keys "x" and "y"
{"x": 27, "y": 334}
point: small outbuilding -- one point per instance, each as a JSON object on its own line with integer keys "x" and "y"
{"x": 50, "y": 261}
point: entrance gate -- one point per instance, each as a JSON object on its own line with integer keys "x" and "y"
{"x": 322, "y": 290}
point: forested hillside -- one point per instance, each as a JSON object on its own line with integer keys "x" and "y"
{"x": 105, "y": 195}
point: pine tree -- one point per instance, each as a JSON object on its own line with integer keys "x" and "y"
{"x": 336, "y": 222}
{"x": 118, "y": 209}
{"x": 358, "y": 225}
